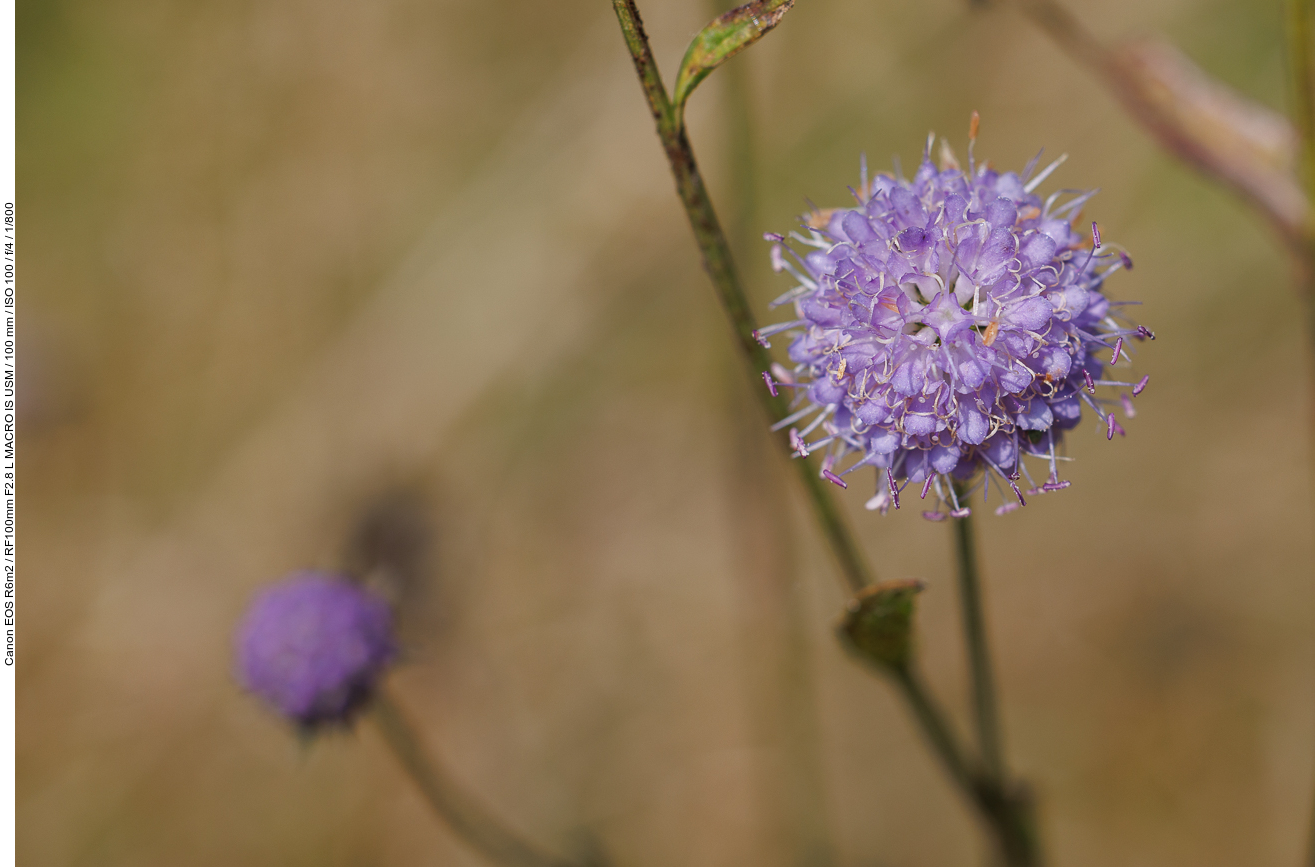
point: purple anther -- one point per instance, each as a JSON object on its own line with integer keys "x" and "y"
{"x": 1006, "y": 508}
{"x": 1017, "y": 493}
{"x": 1118, "y": 350}
{"x": 833, "y": 478}
{"x": 934, "y": 516}
{"x": 1128, "y": 409}
{"x": 1051, "y": 487}
{"x": 1143, "y": 331}
{"x": 762, "y": 341}
{"x": 1141, "y": 385}
{"x": 1109, "y": 426}
{"x": 1091, "y": 384}
{"x": 926, "y": 486}
{"x": 772, "y": 236}
{"x": 771, "y": 384}
{"x": 961, "y": 513}
{"x": 1118, "y": 428}
{"x": 1126, "y": 260}
{"x": 894, "y": 488}
{"x": 1095, "y": 234}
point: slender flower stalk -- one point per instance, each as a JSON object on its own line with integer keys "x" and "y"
{"x": 985, "y": 712}
{"x": 878, "y": 628}
{"x": 718, "y": 262}
{"x": 469, "y": 819}
{"x": 1007, "y": 815}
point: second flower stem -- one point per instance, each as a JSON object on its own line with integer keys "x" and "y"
{"x": 471, "y": 821}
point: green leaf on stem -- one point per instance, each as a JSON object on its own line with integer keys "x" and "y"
{"x": 878, "y": 625}
{"x": 727, "y": 35}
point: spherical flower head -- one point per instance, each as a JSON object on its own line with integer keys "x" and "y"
{"x": 313, "y": 646}
{"x": 946, "y": 326}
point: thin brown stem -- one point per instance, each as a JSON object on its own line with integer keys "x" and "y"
{"x": 720, "y": 265}
{"x": 1083, "y": 48}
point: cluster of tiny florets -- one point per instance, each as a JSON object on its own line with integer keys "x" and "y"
{"x": 313, "y": 646}
{"x": 948, "y": 325}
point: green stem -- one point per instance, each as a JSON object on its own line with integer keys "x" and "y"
{"x": 985, "y": 711}
{"x": 470, "y": 820}
{"x": 719, "y": 264}
{"x": 1007, "y": 814}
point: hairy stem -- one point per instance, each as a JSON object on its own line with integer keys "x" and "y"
{"x": 985, "y": 712}
{"x": 470, "y": 820}
{"x": 719, "y": 264}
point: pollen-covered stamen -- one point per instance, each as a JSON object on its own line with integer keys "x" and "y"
{"x": 1005, "y": 509}
{"x": 926, "y": 486}
{"x": 1118, "y": 350}
{"x": 771, "y": 384}
{"x": 1126, "y": 260}
{"x": 1141, "y": 385}
{"x": 894, "y": 488}
{"x": 961, "y": 513}
{"x": 1017, "y": 493}
{"x": 934, "y": 516}
{"x": 1110, "y": 424}
{"x": 1050, "y": 487}
{"x": 1091, "y": 385}
{"x": 1145, "y": 332}
{"x": 834, "y": 479}
{"x": 1095, "y": 236}
{"x": 1118, "y": 428}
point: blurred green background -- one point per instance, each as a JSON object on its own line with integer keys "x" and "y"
{"x": 310, "y": 282}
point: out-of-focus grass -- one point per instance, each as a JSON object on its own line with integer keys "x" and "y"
{"x": 281, "y": 262}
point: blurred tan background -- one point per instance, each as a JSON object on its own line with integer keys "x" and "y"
{"x": 306, "y": 281}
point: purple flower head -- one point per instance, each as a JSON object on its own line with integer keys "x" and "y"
{"x": 313, "y": 646}
{"x": 948, "y": 325}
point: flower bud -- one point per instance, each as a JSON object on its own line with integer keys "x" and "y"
{"x": 878, "y": 625}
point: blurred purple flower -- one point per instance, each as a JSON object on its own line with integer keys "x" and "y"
{"x": 313, "y": 646}
{"x": 946, "y": 325}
